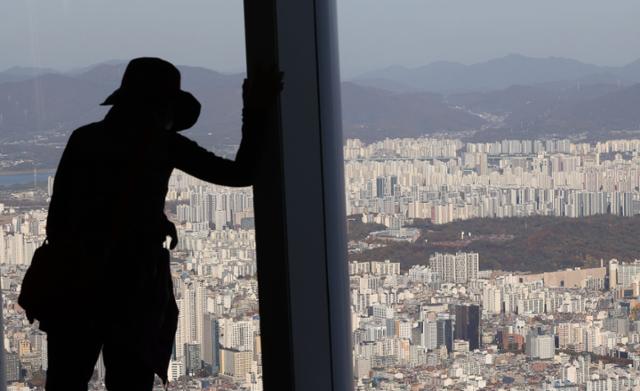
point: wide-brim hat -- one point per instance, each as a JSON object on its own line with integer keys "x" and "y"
{"x": 149, "y": 80}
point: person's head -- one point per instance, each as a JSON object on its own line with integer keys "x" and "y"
{"x": 159, "y": 114}
{"x": 150, "y": 89}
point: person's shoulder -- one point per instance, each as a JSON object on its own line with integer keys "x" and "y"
{"x": 89, "y": 129}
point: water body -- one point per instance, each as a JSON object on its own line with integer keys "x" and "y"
{"x": 25, "y": 178}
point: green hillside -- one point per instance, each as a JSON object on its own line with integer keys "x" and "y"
{"x": 525, "y": 244}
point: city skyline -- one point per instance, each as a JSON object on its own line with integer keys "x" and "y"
{"x": 448, "y": 320}
{"x": 491, "y": 191}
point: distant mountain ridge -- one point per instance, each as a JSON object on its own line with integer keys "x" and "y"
{"x": 595, "y": 111}
{"x": 499, "y": 73}
{"x": 373, "y": 114}
{"x": 35, "y": 101}
{"x": 58, "y": 102}
{"x": 64, "y": 101}
{"x": 23, "y": 73}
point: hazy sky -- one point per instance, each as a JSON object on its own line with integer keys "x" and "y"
{"x": 65, "y": 34}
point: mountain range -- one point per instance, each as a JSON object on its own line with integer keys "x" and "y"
{"x": 513, "y": 96}
{"x": 57, "y": 102}
{"x": 514, "y": 69}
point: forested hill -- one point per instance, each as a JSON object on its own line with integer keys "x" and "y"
{"x": 523, "y": 244}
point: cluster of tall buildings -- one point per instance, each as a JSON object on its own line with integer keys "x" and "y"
{"x": 20, "y": 238}
{"x": 445, "y": 180}
{"x": 207, "y": 205}
{"x": 403, "y": 148}
{"x": 213, "y": 270}
{"x": 383, "y": 336}
{"x": 493, "y": 330}
{"x": 524, "y": 147}
{"x": 442, "y": 323}
{"x": 214, "y": 278}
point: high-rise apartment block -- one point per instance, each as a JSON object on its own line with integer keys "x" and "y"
{"x": 235, "y": 363}
{"x": 456, "y": 268}
{"x": 540, "y": 347}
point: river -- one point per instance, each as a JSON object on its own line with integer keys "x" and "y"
{"x": 24, "y": 178}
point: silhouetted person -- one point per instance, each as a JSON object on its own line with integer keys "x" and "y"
{"x": 107, "y": 219}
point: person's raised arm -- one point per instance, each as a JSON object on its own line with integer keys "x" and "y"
{"x": 259, "y": 96}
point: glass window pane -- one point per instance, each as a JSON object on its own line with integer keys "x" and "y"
{"x": 492, "y": 190}
{"x": 60, "y": 60}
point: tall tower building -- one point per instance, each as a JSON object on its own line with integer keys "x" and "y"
{"x": 181, "y": 334}
{"x": 200, "y": 303}
{"x": 612, "y": 273}
{"x": 394, "y": 184}
{"x": 211, "y": 343}
{"x": 445, "y": 329}
{"x": 584, "y": 363}
{"x": 429, "y": 335}
{"x": 191, "y": 305}
{"x": 467, "y": 325}
{"x": 3, "y": 379}
{"x": 492, "y": 299}
{"x": 192, "y": 360}
{"x": 3, "y": 247}
{"x": 50, "y": 180}
{"x": 381, "y": 186}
